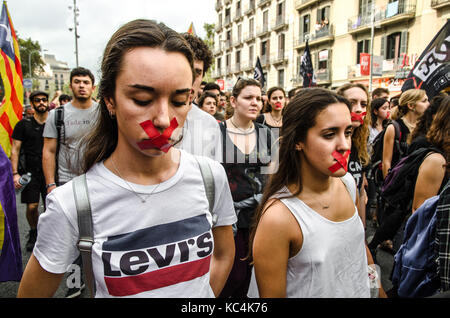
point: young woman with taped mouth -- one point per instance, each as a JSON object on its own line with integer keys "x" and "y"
{"x": 308, "y": 240}
{"x": 358, "y": 97}
{"x": 155, "y": 234}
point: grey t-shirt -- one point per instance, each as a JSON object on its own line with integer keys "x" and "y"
{"x": 77, "y": 124}
{"x": 201, "y": 135}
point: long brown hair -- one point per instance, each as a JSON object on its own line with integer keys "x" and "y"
{"x": 102, "y": 141}
{"x": 439, "y": 133}
{"x": 360, "y": 134}
{"x": 300, "y": 116}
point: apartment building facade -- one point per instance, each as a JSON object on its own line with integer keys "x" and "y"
{"x": 337, "y": 31}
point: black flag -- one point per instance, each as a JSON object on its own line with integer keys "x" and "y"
{"x": 431, "y": 72}
{"x": 259, "y": 75}
{"x": 306, "y": 68}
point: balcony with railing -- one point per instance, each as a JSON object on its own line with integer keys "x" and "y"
{"x": 251, "y": 8}
{"x": 227, "y": 44}
{"x": 280, "y": 23}
{"x": 280, "y": 58}
{"x": 227, "y": 21}
{"x": 219, "y": 5}
{"x": 238, "y": 15}
{"x": 247, "y": 66}
{"x": 264, "y": 59}
{"x": 248, "y": 37}
{"x": 437, "y": 4}
{"x": 322, "y": 35}
{"x": 262, "y": 3}
{"x": 217, "y": 73}
{"x": 394, "y": 12}
{"x": 237, "y": 41}
{"x": 218, "y": 27}
{"x": 236, "y": 68}
{"x": 303, "y": 4}
{"x": 323, "y": 76}
{"x": 263, "y": 30}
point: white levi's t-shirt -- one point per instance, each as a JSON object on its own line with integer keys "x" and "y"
{"x": 161, "y": 248}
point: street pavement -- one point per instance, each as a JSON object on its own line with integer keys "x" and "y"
{"x": 9, "y": 289}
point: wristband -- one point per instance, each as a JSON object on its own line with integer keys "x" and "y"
{"x": 14, "y": 173}
{"x": 50, "y": 185}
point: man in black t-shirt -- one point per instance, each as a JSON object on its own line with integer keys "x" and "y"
{"x": 27, "y": 143}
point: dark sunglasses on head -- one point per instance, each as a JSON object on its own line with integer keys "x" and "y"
{"x": 38, "y": 100}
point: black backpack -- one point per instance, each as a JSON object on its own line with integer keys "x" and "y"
{"x": 374, "y": 171}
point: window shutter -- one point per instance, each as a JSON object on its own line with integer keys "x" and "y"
{"x": 383, "y": 46}
{"x": 404, "y": 42}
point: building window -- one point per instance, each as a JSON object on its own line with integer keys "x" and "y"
{"x": 251, "y": 26}
{"x": 281, "y": 45}
{"x": 250, "y": 54}
{"x": 393, "y": 46}
{"x": 281, "y": 78}
{"x": 306, "y": 24}
{"x": 363, "y": 46}
{"x": 266, "y": 20}
{"x": 323, "y": 60}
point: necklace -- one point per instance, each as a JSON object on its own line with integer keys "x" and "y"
{"x": 144, "y": 198}
{"x": 277, "y": 122}
{"x": 244, "y": 131}
{"x": 408, "y": 124}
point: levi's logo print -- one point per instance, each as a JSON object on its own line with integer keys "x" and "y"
{"x": 158, "y": 256}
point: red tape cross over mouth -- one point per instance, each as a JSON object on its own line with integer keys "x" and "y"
{"x": 358, "y": 117}
{"x": 341, "y": 161}
{"x": 157, "y": 140}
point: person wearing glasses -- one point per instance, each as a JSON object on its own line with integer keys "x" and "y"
{"x": 27, "y": 139}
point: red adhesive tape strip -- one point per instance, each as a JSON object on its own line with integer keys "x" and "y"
{"x": 341, "y": 161}
{"x": 358, "y": 117}
{"x": 157, "y": 140}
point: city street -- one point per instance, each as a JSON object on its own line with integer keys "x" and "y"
{"x": 9, "y": 289}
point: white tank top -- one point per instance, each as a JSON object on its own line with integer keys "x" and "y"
{"x": 332, "y": 261}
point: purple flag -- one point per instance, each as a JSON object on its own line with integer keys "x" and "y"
{"x": 11, "y": 255}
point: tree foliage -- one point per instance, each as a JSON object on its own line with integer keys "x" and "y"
{"x": 28, "y": 47}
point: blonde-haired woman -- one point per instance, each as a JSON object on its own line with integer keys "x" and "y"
{"x": 412, "y": 105}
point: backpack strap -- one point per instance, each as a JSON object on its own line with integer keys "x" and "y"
{"x": 85, "y": 228}
{"x": 208, "y": 181}
{"x": 398, "y": 137}
{"x": 59, "y": 123}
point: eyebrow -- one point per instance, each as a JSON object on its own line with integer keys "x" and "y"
{"x": 152, "y": 90}
{"x": 336, "y": 128}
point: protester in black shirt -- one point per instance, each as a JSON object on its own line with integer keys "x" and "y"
{"x": 27, "y": 138}
{"x": 246, "y": 158}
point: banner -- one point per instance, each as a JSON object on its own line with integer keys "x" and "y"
{"x": 258, "y": 74}
{"x": 306, "y": 68}
{"x": 431, "y": 72}
{"x": 11, "y": 72}
{"x": 11, "y": 255}
{"x": 364, "y": 63}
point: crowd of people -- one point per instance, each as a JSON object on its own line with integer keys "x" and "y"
{"x": 291, "y": 192}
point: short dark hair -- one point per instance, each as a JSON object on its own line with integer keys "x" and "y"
{"x": 81, "y": 71}
{"x": 210, "y": 86}
{"x": 64, "y": 97}
{"x": 204, "y": 95}
{"x": 378, "y": 91}
{"x": 201, "y": 50}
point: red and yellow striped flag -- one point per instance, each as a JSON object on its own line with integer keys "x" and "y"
{"x": 191, "y": 29}
{"x": 11, "y": 72}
